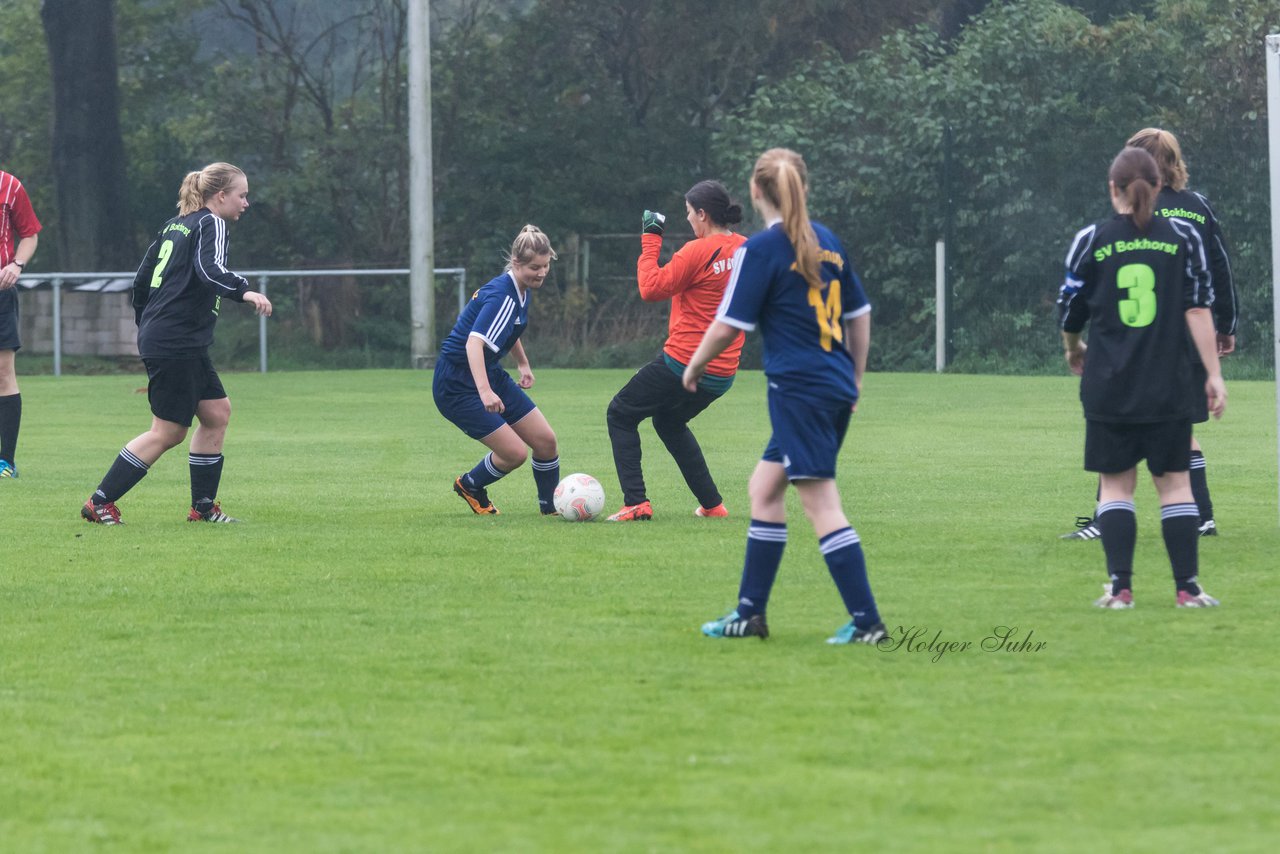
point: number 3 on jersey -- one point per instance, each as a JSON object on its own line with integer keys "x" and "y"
{"x": 828, "y": 313}
{"x": 1139, "y": 308}
{"x": 166, "y": 249}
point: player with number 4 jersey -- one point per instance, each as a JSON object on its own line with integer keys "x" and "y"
{"x": 804, "y": 352}
{"x": 795, "y": 282}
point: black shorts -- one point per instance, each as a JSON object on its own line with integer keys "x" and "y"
{"x": 176, "y": 387}
{"x": 9, "y": 339}
{"x": 1111, "y": 447}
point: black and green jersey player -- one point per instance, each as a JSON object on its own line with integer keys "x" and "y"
{"x": 1141, "y": 284}
{"x": 177, "y": 294}
{"x": 1175, "y": 200}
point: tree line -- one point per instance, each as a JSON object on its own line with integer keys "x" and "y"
{"x": 988, "y": 122}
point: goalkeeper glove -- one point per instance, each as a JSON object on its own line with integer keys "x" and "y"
{"x": 652, "y": 222}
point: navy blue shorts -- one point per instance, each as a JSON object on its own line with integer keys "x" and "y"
{"x": 456, "y": 397}
{"x": 806, "y": 436}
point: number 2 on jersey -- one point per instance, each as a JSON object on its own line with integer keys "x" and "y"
{"x": 166, "y": 249}
{"x": 828, "y": 313}
{"x": 1139, "y": 308}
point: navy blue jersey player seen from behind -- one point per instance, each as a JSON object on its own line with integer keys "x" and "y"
{"x": 1140, "y": 282}
{"x": 795, "y": 282}
{"x": 177, "y": 295}
{"x": 472, "y": 389}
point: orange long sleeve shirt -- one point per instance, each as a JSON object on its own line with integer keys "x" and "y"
{"x": 694, "y": 280}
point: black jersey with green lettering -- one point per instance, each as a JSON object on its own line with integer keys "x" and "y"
{"x": 1134, "y": 288}
{"x": 1195, "y": 209}
{"x": 179, "y": 288}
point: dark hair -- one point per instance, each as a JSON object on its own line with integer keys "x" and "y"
{"x": 1137, "y": 178}
{"x": 712, "y": 198}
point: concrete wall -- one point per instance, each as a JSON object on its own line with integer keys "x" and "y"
{"x": 93, "y": 324}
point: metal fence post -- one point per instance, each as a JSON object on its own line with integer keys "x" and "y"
{"x": 57, "y": 327}
{"x": 262, "y": 328}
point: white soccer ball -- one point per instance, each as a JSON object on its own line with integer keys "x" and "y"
{"x": 579, "y": 498}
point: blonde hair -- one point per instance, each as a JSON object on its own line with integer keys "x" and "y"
{"x": 782, "y": 178}
{"x": 1163, "y": 146}
{"x": 529, "y": 243}
{"x": 198, "y": 187}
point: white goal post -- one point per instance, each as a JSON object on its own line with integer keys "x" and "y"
{"x": 1273, "y": 135}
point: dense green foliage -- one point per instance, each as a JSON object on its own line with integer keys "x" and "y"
{"x": 363, "y": 665}
{"x": 996, "y": 135}
{"x": 1037, "y": 100}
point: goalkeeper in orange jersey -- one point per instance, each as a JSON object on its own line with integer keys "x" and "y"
{"x": 694, "y": 280}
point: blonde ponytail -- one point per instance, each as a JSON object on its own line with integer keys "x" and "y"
{"x": 782, "y": 177}
{"x": 198, "y": 187}
{"x": 529, "y": 243}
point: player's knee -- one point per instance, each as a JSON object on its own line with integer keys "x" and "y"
{"x": 215, "y": 415}
{"x": 616, "y": 415}
{"x": 511, "y": 459}
{"x": 546, "y": 447}
{"x": 169, "y": 437}
{"x": 764, "y": 496}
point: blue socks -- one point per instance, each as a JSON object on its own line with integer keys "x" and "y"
{"x": 843, "y": 552}
{"x": 483, "y": 474}
{"x": 546, "y": 475}
{"x": 765, "y": 543}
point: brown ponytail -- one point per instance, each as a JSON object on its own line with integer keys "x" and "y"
{"x": 1137, "y": 179}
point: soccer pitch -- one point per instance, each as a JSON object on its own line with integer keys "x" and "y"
{"x": 364, "y": 665}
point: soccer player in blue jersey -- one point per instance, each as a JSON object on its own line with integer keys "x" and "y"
{"x": 472, "y": 389}
{"x": 794, "y": 280}
{"x": 1141, "y": 283}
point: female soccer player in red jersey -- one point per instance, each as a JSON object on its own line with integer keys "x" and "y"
{"x": 694, "y": 280}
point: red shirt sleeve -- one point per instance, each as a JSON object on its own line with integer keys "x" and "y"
{"x": 661, "y": 283}
{"x": 25, "y": 223}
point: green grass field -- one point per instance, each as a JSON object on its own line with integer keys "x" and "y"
{"x": 365, "y": 666}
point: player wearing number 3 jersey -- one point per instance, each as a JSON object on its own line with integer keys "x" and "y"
{"x": 177, "y": 294}
{"x": 796, "y": 283}
{"x": 1140, "y": 282}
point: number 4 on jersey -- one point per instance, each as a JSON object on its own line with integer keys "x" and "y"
{"x": 828, "y": 313}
